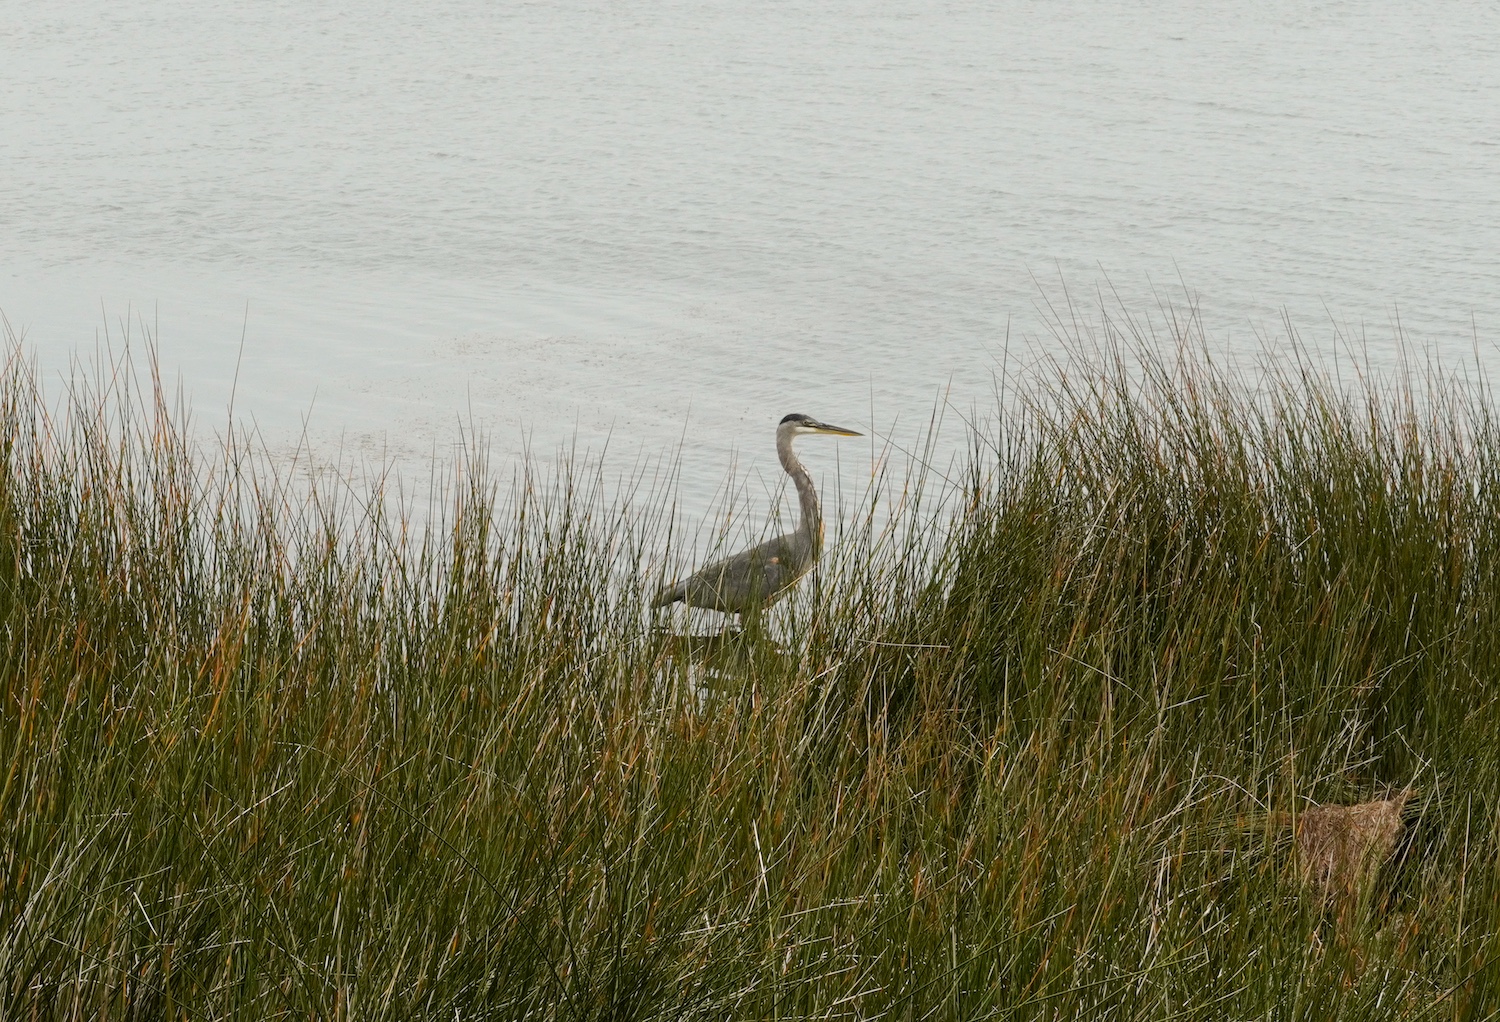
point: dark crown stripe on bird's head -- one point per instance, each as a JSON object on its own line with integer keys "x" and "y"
{"x": 796, "y": 417}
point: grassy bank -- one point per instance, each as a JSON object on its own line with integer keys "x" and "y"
{"x": 1037, "y": 751}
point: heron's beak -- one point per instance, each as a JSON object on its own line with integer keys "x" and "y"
{"x": 824, "y": 427}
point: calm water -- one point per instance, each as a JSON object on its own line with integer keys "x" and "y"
{"x": 645, "y": 222}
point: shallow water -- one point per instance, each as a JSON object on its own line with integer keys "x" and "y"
{"x": 642, "y": 225}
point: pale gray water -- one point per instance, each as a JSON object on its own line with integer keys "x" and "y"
{"x": 635, "y": 220}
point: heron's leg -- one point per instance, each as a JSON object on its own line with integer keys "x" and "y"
{"x": 752, "y": 623}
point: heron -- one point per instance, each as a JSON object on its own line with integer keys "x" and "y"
{"x": 750, "y": 581}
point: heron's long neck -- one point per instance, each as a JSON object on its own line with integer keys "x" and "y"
{"x": 811, "y": 526}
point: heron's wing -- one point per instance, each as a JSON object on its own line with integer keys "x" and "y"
{"x": 746, "y": 581}
{"x": 670, "y": 594}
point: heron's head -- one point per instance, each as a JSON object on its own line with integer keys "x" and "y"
{"x": 798, "y": 424}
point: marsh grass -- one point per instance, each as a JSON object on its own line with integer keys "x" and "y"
{"x": 1031, "y": 747}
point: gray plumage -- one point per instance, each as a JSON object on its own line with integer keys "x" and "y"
{"x": 758, "y": 577}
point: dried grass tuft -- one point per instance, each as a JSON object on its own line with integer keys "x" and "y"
{"x": 1341, "y": 848}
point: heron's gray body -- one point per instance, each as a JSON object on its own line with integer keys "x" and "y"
{"x": 758, "y": 577}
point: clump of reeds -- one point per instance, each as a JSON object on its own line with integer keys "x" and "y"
{"x": 1341, "y": 848}
{"x": 272, "y": 750}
